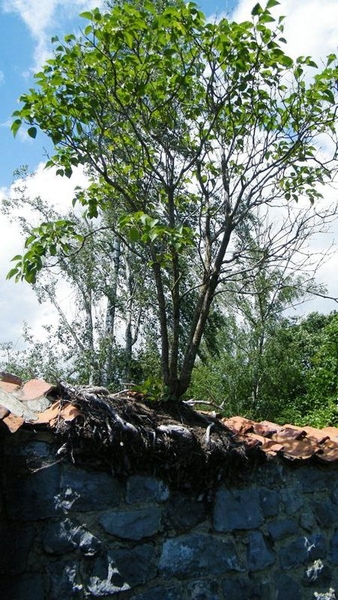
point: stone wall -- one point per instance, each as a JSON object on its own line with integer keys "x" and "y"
{"x": 69, "y": 532}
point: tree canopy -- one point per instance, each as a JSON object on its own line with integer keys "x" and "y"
{"x": 187, "y": 130}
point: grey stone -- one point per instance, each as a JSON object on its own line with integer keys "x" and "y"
{"x": 317, "y": 574}
{"x": 146, "y": 489}
{"x": 237, "y": 509}
{"x": 281, "y": 529}
{"x": 326, "y": 513}
{"x": 286, "y": 587}
{"x": 184, "y": 512}
{"x": 35, "y": 449}
{"x": 88, "y": 490}
{"x": 24, "y": 587}
{"x": 15, "y": 545}
{"x": 133, "y": 524}
{"x": 307, "y": 520}
{"x": 34, "y": 496}
{"x": 198, "y": 555}
{"x": 259, "y": 556}
{"x": 334, "y": 548}
{"x": 330, "y": 595}
{"x": 67, "y": 535}
{"x": 292, "y": 499}
{"x": 161, "y": 593}
{"x": 203, "y": 590}
{"x": 302, "y": 550}
{"x": 270, "y": 501}
{"x": 314, "y": 479}
{"x": 119, "y": 570}
{"x": 241, "y": 589}
{"x": 64, "y": 580}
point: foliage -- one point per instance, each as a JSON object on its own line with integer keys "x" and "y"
{"x": 187, "y": 130}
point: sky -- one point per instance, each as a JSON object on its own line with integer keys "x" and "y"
{"x": 26, "y": 27}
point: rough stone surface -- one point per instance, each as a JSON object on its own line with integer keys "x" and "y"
{"x": 241, "y": 589}
{"x": 132, "y": 524}
{"x": 40, "y": 490}
{"x": 15, "y": 545}
{"x": 85, "y": 491}
{"x": 237, "y": 509}
{"x": 146, "y": 489}
{"x": 24, "y": 587}
{"x": 65, "y": 536}
{"x": 302, "y": 550}
{"x": 198, "y": 554}
{"x": 282, "y": 528}
{"x": 259, "y": 556}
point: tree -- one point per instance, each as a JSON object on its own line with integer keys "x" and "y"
{"x": 187, "y": 129}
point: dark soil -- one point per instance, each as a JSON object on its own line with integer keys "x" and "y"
{"x": 124, "y": 435}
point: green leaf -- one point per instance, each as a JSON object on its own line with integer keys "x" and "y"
{"x": 257, "y": 10}
{"x": 272, "y": 3}
{"x": 16, "y": 126}
{"x": 32, "y": 131}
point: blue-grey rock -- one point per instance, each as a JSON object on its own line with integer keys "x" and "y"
{"x": 326, "y": 513}
{"x": 34, "y": 496}
{"x": 259, "y": 556}
{"x": 67, "y": 535}
{"x": 317, "y": 574}
{"x": 286, "y": 587}
{"x": 302, "y": 550}
{"x": 23, "y": 587}
{"x": 313, "y": 479}
{"x": 161, "y": 593}
{"x": 203, "y": 590}
{"x": 88, "y": 490}
{"x": 197, "y": 555}
{"x": 132, "y": 524}
{"x": 64, "y": 580}
{"x": 270, "y": 501}
{"x": 119, "y": 570}
{"x": 184, "y": 512}
{"x": 241, "y": 589}
{"x": 292, "y": 499}
{"x": 307, "y": 520}
{"x": 282, "y": 528}
{"x": 334, "y": 548}
{"x": 141, "y": 488}
{"x": 237, "y": 509}
{"x": 15, "y": 545}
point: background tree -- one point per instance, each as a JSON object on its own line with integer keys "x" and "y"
{"x": 187, "y": 129}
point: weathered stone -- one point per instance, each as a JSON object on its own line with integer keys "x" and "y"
{"x": 241, "y": 589}
{"x": 302, "y": 550}
{"x": 326, "y": 513}
{"x": 120, "y": 569}
{"x": 281, "y": 529}
{"x": 88, "y": 490}
{"x": 307, "y": 520}
{"x": 237, "y": 509}
{"x": 334, "y": 548}
{"x": 259, "y": 556}
{"x": 292, "y": 499}
{"x": 330, "y": 595}
{"x": 317, "y": 574}
{"x": 34, "y": 496}
{"x": 65, "y": 536}
{"x": 198, "y": 555}
{"x": 270, "y": 501}
{"x": 133, "y": 524}
{"x": 184, "y": 513}
{"x": 15, "y": 545}
{"x": 24, "y": 587}
{"x": 161, "y": 593}
{"x": 286, "y": 587}
{"x": 146, "y": 489}
{"x": 314, "y": 479}
{"x": 64, "y": 580}
{"x": 203, "y": 590}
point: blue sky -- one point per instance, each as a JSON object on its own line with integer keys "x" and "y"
{"x": 26, "y": 27}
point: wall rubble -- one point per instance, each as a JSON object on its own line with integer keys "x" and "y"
{"x": 68, "y": 532}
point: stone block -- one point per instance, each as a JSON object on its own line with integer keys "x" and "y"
{"x": 141, "y": 488}
{"x": 237, "y": 509}
{"x": 132, "y": 524}
{"x": 314, "y": 479}
{"x": 34, "y": 496}
{"x": 270, "y": 501}
{"x": 64, "y": 581}
{"x": 303, "y": 550}
{"x": 292, "y": 499}
{"x": 65, "y": 536}
{"x": 241, "y": 589}
{"x": 259, "y": 556}
{"x": 286, "y": 587}
{"x": 184, "y": 512}
{"x": 203, "y": 590}
{"x": 119, "y": 570}
{"x": 282, "y": 528}
{"x": 24, "y": 587}
{"x": 195, "y": 555}
{"x": 87, "y": 490}
{"x": 326, "y": 513}
{"x": 161, "y": 593}
{"x": 334, "y": 548}
{"x": 317, "y": 574}
{"x": 15, "y": 545}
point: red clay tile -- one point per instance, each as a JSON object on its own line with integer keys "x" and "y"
{"x": 9, "y": 387}
{"x": 332, "y": 432}
{"x": 299, "y": 449}
{"x": 35, "y": 388}
{"x": 238, "y": 424}
{"x": 265, "y": 428}
{"x": 9, "y": 378}
{"x": 316, "y": 435}
{"x": 13, "y": 422}
{"x": 68, "y": 412}
{"x": 328, "y": 451}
